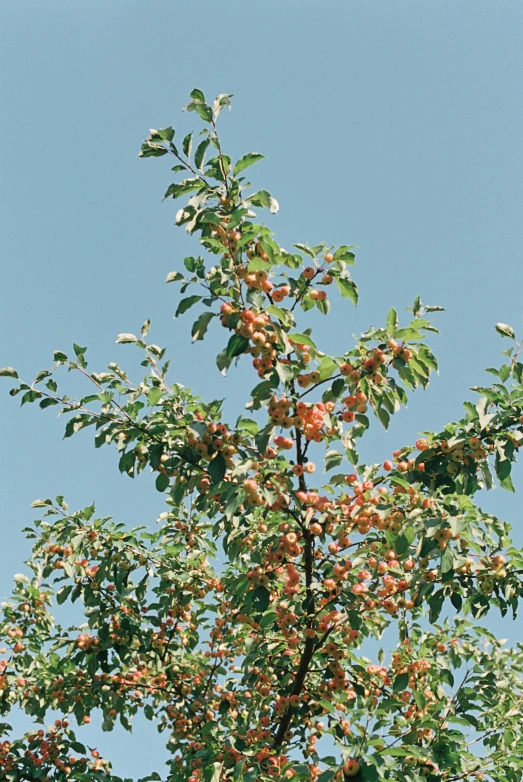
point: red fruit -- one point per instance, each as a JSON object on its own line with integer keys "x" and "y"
{"x": 351, "y": 768}
{"x": 387, "y": 465}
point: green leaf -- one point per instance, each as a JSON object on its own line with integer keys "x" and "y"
{"x": 41, "y": 376}
{"x": 222, "y": 361}
{"x": 178, "y": 189}
{"x": 203, "y": 111}
{"x": 63, "y": 594}
{"x": 199, "y": 328}
{"x": 436, "y": 604}
{"x": 347, "y": 289}
{"x": 517, "y": 371}
{"x": 305, "y": 249}
{"x": 401, "y": 682}
{"x": 302, "y": 339}
{"x": 345, "y": 254}
{"x": 407, "y": 334}
{"x": 263, "y": 437}
{"x": 246, "y": 161}
{"x": 268, "y": 619}
{"x": 505, "y": 330}
{"x": 236, "y": 346}
{"x": 284, "y": 316}
{"x": 48, "y": 403}
{"x": 217, "y": 468}
{"x": 447, "y": 560}
{"x": 327, "y": 367}
{"x": 249, "y": 425}
{"x": 456, "y": 600}
{"x": 126, "y": 462}
{"x": 187, "y": 145}
{"x": 506, "y": 483}
{"x": 323, "y": 306}
{"x": 199, "y": 155}
{"x": 337, "y": 387}
{"x": 263, "y": 198}
{"x": 392, "y": 322}
{"x": 77, "y": 747}
{"x": 383, "y": 416}
{"x": 503, "y": 468}
{"x": 197, "y": 94}
{"x": 332, "y": 459}
{"x": 124, "y": 339}
{"x": 41, "y": 503}
{"x": 401, "y": 544}
{"x": 154, "y": 396}
{"x": 504, "y": 372}
{"x": 260, "y": 600}
{"x": 152, "y": 150}
{"x": 165, "y": 134}
{"x": 174, "y": 277}
{"x": 162, "y": 482}
{"x": 285, "y": 372}
{"x": 186, "y": 304}
{"x": 8, "y": 372}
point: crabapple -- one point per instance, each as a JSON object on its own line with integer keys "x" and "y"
{"x": 351, "y": 768}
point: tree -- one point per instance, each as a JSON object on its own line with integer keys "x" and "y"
{"x": 242, "y": 624}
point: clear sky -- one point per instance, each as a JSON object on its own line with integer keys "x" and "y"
{"x": 394, "y": 126}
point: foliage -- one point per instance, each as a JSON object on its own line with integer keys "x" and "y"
{"x": 242, "y": 624}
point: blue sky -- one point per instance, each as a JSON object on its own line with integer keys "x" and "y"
{"x": 394, "y": 126}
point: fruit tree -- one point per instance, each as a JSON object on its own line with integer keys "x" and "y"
{"x": 245, "y": 624}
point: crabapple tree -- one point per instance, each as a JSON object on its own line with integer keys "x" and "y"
{"x": 246, "y": 624}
